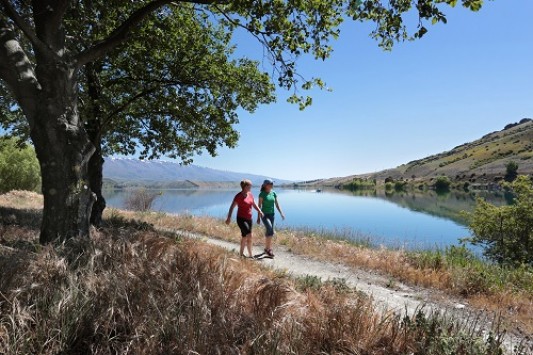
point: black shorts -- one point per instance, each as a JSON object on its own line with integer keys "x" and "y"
{"x": 245, "y": 225}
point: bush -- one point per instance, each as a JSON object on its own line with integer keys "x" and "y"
{"x": 400, "y": 185}
{"x": 511, "y": 171}
{"x": 442, "y": 183}
{"x": 361, "y": 184}
{"x": 141, "y": 200}
{"x": 506, "y": 232}
{"x": 19, "y": 168}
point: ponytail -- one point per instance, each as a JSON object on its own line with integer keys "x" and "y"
{"x": 245, "y": 183}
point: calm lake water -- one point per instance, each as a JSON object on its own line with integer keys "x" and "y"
{"x": 412, "y": 220}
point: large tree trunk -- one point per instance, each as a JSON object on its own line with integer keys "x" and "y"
{"x": 94, "y": 130}
{"x": 64, "y": 150}
{"x": 59, "y": 136}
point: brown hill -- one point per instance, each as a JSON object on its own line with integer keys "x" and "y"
{"x": 483, "y": 159}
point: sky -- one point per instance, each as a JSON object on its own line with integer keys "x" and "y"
{"x": 461, "y": 81}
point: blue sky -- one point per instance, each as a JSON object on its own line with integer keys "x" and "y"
{"x": 461, "y": 81}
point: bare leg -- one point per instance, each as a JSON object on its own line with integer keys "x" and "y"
{"x": 268, "y": 243}
{"x": 249, "y": 244}
{"x": 243, "y": 243}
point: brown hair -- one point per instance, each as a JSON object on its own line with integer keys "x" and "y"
{"x": 245, "y": 183}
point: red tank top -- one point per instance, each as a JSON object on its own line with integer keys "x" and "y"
{"x": 245, "y": 204}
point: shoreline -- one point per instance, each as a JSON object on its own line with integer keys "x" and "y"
{"x": 450, "y": 276}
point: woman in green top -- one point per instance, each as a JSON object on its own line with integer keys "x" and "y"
{"x": 268, "y": 199}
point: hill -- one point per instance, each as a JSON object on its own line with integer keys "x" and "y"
{"x": 168, "y": 174}
{"x": 480, "y": 161}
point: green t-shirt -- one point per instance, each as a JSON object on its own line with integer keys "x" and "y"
{"x": 269, "y": 201}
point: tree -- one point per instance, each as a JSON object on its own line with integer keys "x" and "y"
{"x": 506, "y": 232}
{"x": 19, "y": 168}
{"x": 511, "y": 171}
{"x": 442, "y": 184}
{"x": 190, "y": 68}
{"x": 47, "y": 45}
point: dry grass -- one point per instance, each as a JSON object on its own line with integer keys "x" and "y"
{"x": 138, "y": 292}
{"x": 471, "y": 283}
{"x": 24, "y": 200}
{"x": 135, "y": 291}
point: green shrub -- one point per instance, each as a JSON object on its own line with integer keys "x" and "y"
{"x": 511, "y": 171}
{"x": 361, "y": 184}
{"x": 400, "y": 185}
{"x": 442, "y": 183}
{"x": 471, "y": 274}
{"x": 506, "y": 232}
{"x": 19, "y": 168}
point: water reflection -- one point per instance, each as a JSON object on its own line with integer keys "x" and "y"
{"x": 448, "y": 204}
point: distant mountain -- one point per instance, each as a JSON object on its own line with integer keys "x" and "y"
{"x": 482, "y": 160}
{"x": 166, "y": 173}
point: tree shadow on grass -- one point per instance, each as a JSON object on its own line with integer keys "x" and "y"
{"x": 20, "y": 217}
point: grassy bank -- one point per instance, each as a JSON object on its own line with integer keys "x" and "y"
{"x": 131, "y": 290}
{"x": 48, "y": 296}
{"x": 455, "y": 271}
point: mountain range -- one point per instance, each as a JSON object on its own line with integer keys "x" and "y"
{"x": 171, "y": 174}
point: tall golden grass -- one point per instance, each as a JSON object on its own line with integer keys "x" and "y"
{"x": 510, "y": 299}
{"x": 137, "y": 292}
{"x": 129, "y": 289}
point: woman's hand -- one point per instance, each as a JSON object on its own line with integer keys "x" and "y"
{"x": 283, "y": 216}
{"x": 258, "y": 220}
{"x": 228, "y": 220}
{"x": 261, "y": 214}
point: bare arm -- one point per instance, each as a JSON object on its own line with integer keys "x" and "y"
{"x": 260, "y": 205}
{"x": 230, "y": 212}
{"x": 258, "y": 209}
{"x": 279, "y": 209}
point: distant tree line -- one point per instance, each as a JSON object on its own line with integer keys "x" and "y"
{"x": 19, "y": 168}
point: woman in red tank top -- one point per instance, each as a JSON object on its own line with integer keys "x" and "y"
{"x": 244, "y": 201}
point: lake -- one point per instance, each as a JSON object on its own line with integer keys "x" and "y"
{"x": 411, "y": 220}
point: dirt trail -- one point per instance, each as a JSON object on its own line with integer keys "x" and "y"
{"x": 387, "y": 294}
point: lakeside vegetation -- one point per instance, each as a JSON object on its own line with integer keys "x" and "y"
{"x": 132, "y": 289}
{"x": 503, "y": 289}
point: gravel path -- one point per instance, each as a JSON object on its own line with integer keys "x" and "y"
{"x": 386, "y": 294}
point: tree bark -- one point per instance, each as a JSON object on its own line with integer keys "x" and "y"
{"x": 64, "y": 149}
{"x": 47, "y": 93}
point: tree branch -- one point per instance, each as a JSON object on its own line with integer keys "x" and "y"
{"x": 124, "y": 106}
{"x": 136, "y": 97}
{"x": 27, "y": 30}
{"x": 16, "y": 70}
{"x": 121, "y": 33}
{"x": 57, "y": 12}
